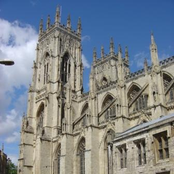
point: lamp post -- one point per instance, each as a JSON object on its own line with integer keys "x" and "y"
{"x": 7, "y": 62}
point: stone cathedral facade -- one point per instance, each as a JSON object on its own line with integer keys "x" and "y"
{"x": 123, "y": 125}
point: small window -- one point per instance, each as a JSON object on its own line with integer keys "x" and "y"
{"x": 123, "y": 156}
{"x": 161, "y": 145}
{"x": 141, "y": 151}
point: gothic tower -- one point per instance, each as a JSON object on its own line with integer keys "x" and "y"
{"x": 57, "y": 78}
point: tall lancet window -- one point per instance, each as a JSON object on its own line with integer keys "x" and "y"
{"x": 108, "y": 152}
{"x": 40, "y": 115}
{"x": 65, "y": 68}
{"x": 58, "y": 159}
{"x": 81, "y": 156}
{"x": 46, "y": 68}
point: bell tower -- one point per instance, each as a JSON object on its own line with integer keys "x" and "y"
{"x": 57, "y": 78}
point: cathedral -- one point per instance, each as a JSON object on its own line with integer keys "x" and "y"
{"x": 123, "y": 125}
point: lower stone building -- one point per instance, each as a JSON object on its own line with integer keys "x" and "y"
{"x": 119, "y": 126}
{"x": 147, "y": 148}
{"x": 3, "y": 162}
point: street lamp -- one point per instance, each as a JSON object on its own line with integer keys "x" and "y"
{"x": 7, "y": 62}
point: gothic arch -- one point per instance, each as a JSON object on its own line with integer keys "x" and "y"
{"x": 167, "y": 78}
{"x": 86, "y": 119}
{"x": 168, "y": 86}
{"x": 132, "y": 90}
{"x": 66, "y": 52}
{"x": 41, "y": 107}
{"x": 45, "y": 67}
{"x": 57, "y": 159}
{"x": 107, "y": 96}
{"x": 168, "y": 74}
{"x": 65, "y": 67}
{"x": 39, "y": 118}
{"x": 45, "y": 56}
{"x": 81, "y": 156}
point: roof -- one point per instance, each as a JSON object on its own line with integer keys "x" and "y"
{"x": 145, "y": 125}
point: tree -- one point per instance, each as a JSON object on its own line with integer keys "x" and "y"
{"x": 11, "y": 168}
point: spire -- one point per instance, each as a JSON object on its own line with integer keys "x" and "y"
{"x": 152, "y": 39}
{"x": 119, "y": 48}
{"x": 2, "y": 147}
{"x": 48, "y": 22}
{"x": 145, "y": 66}
{"x": 126, "y": 54}
{"x": 79, "y": 27}
{"x": 69, "y": 22}
{"x": 41, "y": 27}
{"x": 102, "y": 52}
{"x": 57, "y": 17}
{"x": 119, "y": 53}
{"x": 112, "y": 46}
{"x": 94, "y": 55}
{"x": 154, "y": 52}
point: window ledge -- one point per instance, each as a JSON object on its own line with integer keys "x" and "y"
{"x": 163, "y": 161}
{"x": 141, "y": 166}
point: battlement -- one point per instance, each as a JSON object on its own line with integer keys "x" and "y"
{"x": 106, "y": 56}
{"x": 57, "y": 25}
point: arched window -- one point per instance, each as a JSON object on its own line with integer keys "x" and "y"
{"x": 108, "y": 99}
{"x": 133, "y": 92}
{"x": 170, "y": 94}
{"x": 111, "y": 110}
{"x": 84, "y": 114}
{"x": 81, "y": 156}
{"x": 57, "y": 160}
{"x": 65, "y": 68}
{"x": 166, "y": 80}
{"x": 39, "y": 119}
{"x": 46, "y": 68}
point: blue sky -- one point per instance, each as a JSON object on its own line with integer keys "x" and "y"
{"x": 128, "y": 22}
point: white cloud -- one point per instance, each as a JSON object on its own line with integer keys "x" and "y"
{"x": 85, "y": 62}
{"x": 163, "y": 56}
{"x": 9, "y": 123}
{"x": 15, "y": 137}
{"x": 14, "y": 158}
{"x": 86, "y": 38}
{"x": 17, "y": 42}
{"x": 139, "y": 58}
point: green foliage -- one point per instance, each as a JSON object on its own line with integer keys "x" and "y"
{"x": 11, "y": 168}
